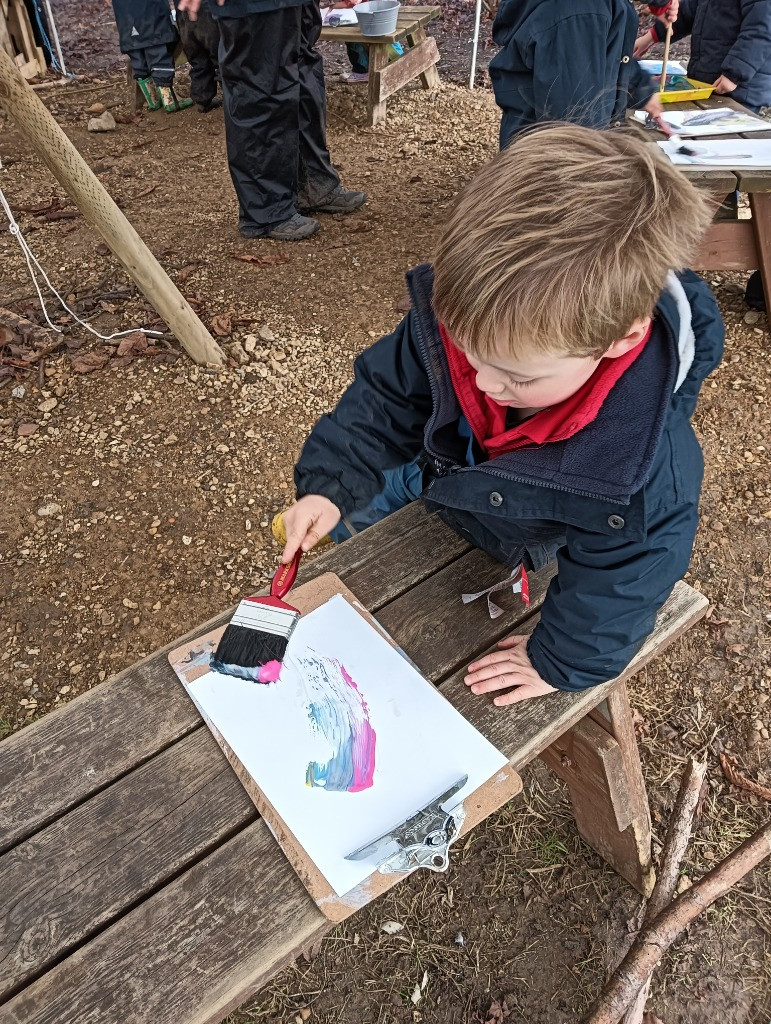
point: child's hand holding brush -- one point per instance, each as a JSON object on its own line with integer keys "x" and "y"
{"x": 307, "y": 522}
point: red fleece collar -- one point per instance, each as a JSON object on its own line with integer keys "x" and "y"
{"x": 487, "y": 418}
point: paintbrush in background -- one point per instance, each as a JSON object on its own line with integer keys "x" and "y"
{"x": 254, "y": 644}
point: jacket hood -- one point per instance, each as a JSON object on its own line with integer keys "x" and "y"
{"x": 611, "y": 458}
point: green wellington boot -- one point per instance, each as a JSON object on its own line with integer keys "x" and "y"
{"x": 170, "y": 102}
{"x": 150, "y": 93}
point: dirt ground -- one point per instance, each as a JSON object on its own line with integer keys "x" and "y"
{"x": 137, "y": 492}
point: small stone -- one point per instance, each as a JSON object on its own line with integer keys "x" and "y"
{"x": 129, "y": 604}
{"x": 683, "y": 883}
{"x": 48, "y": 405}
{"x": 187, "y": 541}
{"x": 94, "y": 483}
{"x": 708, "y": 855}
{"x": 248, "y": 525}
{"x": 51, "y": 509}
{"x": 250, "y": 343}
{"x": 106, "y": 619}
{"x": 26, "y": 429}
{"x": 95, "y": 109}
{"x": 752, "y": 317}
{"x": 157, "y": 606}
{"x": 304, "y": 1013}
{"x": 169, "y": 439}
{"x": 18, "y": 392}
{"x": 75, "y": 670}
{"x": 64, "y": 689}
{"x": 764, "y": 733}
{"x": 757, "y": 725}
{"x": 266, "y": 335}
{"x": 104, "y": 123}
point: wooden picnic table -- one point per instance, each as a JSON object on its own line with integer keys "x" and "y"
{"x": 138, "y": 883}
{"x": 386, "y": 78}
{"x": 733, "y": 244}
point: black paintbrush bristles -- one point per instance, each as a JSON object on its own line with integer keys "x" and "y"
{"x": 258, "y": 634}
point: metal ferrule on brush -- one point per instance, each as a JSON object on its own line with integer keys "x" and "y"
{"x": 267, "y": 619}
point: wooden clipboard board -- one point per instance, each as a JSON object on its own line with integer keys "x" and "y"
{"x": 190, "y": 662}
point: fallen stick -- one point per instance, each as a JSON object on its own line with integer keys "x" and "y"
{"x": 656, "y": 938}
{"x": 675, "y": 844}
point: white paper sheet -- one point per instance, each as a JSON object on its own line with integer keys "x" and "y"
{"x": 422, "y": 745}
{"x": 732, "y": 153}
{"x": 723, "y": 121}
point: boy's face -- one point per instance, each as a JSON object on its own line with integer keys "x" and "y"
{"x": 539, "y": 380}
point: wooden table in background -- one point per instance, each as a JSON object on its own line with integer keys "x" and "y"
{"x": 387, "y": 78}
{"x": 733, "y": 244}
{"x": 138, "y": 883}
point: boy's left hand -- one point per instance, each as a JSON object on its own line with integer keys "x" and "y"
{"x": 508, "y": 669}
{"x": 723, "y": 85}
{"x": 654, "y": 106}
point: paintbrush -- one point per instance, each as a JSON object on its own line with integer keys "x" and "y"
{"x": 254, "y": 644}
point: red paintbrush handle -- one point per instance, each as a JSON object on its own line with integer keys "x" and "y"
{"x": 285, "y": 576}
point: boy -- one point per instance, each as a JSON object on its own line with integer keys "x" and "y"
{"x": 148, "y": 38}
{"x": 545, "y": 376}
{"x": 568, "y": 60}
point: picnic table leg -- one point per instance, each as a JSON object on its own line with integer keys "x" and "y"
{"x": 430, "y": 77}
{"x": 376, "y": 107}
{"x": 599, "y": 761}
{"x": 760, "y": 204}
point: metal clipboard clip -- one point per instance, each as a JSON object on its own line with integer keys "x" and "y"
{"x": 422, "y": 841}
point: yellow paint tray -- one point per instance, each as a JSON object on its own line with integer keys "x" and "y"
{"x": 700, "y": 91}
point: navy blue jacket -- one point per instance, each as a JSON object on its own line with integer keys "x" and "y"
{"x": 731, "y": 38}
{"x": 617, "y": 502}
{"x": 243, "y": 8}
{"x": 143, "y": 23}
{"x": 566, "y": 60}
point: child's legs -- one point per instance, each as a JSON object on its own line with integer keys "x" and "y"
{"x": 160, "y": 59}
{"x": 139, "y": 66}
{"x": 203, "y": 83}
{"x": 358, "y": 56}
{"x": 402, "y": 485}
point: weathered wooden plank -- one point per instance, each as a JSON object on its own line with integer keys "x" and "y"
{"x": 205, "y": 943}
{"x": 86, "y": 744}
{"x": 439, "y": 632}
{"x": 408, "y": 20}
{"x": 523, "y": 730}
{"x": 111, "y": 852}
{"x": 727, "y": 245}
{"x": 189, "y": 955}
{"x": 398, "y": 73}
{"x": 760, "y": 204}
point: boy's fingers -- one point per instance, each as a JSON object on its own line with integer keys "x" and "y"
{"x": 511, "y": 641}
{"x": 499, "y": 682}
{"x": 498, "y": 658}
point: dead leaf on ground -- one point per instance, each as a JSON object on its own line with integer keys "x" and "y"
{"x": 732, "y": 772}
{"x": 185, "y": 272}
{"x": 404, "y": 304}
{"x": 108, "y": 307}
{"x": 641, "y": 725}
{"x": 87, "y": 362}
{"x": 222, "y": 325}
{"x": 498, "y": 1012}
{"x": 132, "y": 344}
{"x": 266, "y": 259}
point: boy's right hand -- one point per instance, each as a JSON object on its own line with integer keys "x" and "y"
{"x": 306, "y": 522}
{"x": 642, "y": 44}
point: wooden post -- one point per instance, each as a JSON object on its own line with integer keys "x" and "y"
{"x": 81, "y": 184}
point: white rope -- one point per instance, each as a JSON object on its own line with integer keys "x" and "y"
{"x": 33, "y": 263}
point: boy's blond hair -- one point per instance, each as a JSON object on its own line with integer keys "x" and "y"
{"x": 562, "y": 241}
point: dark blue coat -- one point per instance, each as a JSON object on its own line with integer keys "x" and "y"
{"x": 143, "y": 23}
{"x": 243, "y": 8}
{"x": 566, "y": 60}
{"x": 731, "y": 38}
{"x": 618, "y": 501}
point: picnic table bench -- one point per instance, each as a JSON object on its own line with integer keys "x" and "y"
{"x": 733, "y": 244}
{"x": 387, "y": 78}
{"x": 138, "y": 883}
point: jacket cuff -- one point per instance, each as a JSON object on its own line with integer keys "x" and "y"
{"x": 327, "y": 487}
{"x": 548, "y": 670}
{"x": 738, "y": 71}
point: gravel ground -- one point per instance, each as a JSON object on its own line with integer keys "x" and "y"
{"x": 136, "y": 499}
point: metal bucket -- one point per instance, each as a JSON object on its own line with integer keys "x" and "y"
{"x": 377, "y": 17}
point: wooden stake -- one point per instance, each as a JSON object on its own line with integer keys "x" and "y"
{"x": 675, "y": 845}
{"x": 656, "y": 938}
{"x": 668, "y": 40}
{"x": 80, "y": 183}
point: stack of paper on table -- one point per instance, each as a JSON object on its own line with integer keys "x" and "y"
{"x": 720, "y": 121}
{"x": 731, "y": 153}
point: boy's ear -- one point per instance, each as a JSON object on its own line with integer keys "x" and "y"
{"x": 631, "y": 339}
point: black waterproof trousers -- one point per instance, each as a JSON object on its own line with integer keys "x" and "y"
{"x": 153, "y": 61}
{"x": 200, "y": 41}
{"x": 275, "y": 113}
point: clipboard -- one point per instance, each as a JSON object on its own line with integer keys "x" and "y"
{"x": 190, "y": 661}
